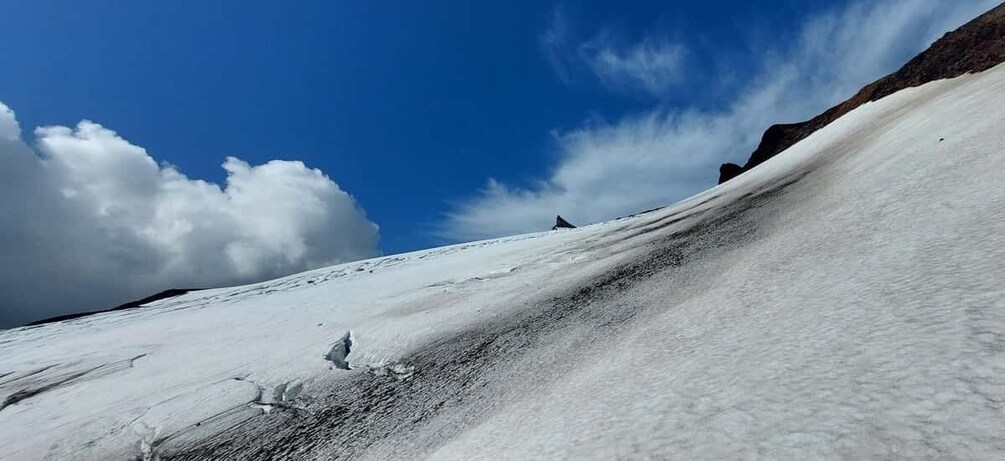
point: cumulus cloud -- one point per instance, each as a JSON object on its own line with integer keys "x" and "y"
{"x": 91, "y": 220}
{"x": 654, "y": 158}
{"x": 9, "y": 128}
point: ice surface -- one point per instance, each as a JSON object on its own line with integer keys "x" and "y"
{"x": 843, "y": 300}
{"x": 339, "y": 353}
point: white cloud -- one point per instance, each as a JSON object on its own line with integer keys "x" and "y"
{"x": 654, "y": 158}
{"x": 91, "y": 220}
{"x": 554, "y": 42}
{"x": 9, "y": 128}
{"x": 652, "y": 66}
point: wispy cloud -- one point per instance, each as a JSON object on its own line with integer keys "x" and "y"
{"x": 555, "y": 42}
{"x": 651, "y": 66}
{"x": 663, "y": 155}
{"x": 91, "y": 220}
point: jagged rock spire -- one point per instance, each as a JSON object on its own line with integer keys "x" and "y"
{"x": 562, "y": 224}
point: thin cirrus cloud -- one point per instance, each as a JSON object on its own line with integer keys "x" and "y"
{"x": 651, "y": 67}
{"x": 656, "y": 157}
{"x": 91, "y": 220}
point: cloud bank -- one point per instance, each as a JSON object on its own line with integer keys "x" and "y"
{"x": 91, "y": 220}
{"x": 654, "y": 158}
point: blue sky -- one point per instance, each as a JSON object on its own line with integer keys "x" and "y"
{"x": 444, "y": 120}
{"x": 409, "y": 106}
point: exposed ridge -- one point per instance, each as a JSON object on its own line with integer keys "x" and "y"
{"x": 975, "y": 47}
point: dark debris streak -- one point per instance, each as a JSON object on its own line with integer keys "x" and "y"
{"x": 457, "y": 373}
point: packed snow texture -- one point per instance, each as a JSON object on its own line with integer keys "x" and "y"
{"x": 842, "y": 300}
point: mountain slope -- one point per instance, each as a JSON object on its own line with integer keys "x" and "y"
{"x": 975, "y": 47}
{"x": 844, "y": 299}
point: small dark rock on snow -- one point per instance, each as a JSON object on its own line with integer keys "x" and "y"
{"x": 562, "y": 224}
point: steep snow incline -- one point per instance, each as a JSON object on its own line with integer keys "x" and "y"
{"x": 843, "y": 299}
{"x": 863, "y": 319}
{"x": 124, "y": 383}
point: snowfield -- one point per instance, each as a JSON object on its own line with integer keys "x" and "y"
{"x": 846, "y": 299}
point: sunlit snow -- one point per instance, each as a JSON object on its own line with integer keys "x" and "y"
{"x": 846, "y": 299}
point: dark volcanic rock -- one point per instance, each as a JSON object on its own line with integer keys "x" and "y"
{"x": 729, "y": 171}
{"x": 562, "y": 224}
{"x": 977, "y": 46}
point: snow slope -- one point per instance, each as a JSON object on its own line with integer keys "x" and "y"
{"x": 845, "y": 299}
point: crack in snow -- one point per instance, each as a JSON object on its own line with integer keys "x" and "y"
{"x": 338, "y": 353}
{"x": 47, "y": 385}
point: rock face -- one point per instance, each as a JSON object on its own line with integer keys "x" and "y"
{"x": 977, "y": 46}
{"x": 562, "y": 224}
{"x": 729, "y": 171}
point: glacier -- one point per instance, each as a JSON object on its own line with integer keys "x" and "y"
{"x": 845, "y": 299}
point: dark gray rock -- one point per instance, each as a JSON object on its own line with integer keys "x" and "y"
{"x": 562, "y": 224}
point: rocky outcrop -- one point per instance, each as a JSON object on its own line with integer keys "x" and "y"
{"x": 976, "y": 46}
{"x": 729, "y": 171}
{"x": 562, "y": 224}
